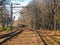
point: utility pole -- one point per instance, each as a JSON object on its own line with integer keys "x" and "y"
{"x": 11, "y": 15}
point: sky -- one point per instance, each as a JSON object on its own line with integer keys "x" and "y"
{"x": 22, "y": 3}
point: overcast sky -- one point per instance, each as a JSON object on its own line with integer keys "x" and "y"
{"x": 22, "y": 3}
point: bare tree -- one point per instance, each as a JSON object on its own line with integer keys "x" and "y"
{"x": 52, "y": 8}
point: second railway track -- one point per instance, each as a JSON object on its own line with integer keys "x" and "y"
{"x": 47, "y": 40}
{"x": 9, "y": 36}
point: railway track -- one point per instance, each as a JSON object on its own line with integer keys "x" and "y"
{"x": 41, "y": 38}
{"x": 44, "y": 39}
{"x": 53, "y": 37}
{"x": 48, "y": 40}
{"x": 9, "y": 36}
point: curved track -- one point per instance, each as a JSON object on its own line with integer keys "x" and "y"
{"x": 8, "y": 36}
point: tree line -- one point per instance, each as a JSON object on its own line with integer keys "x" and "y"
{"x": 45, "y": 15}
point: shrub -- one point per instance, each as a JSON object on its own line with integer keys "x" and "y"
{"x": 6, "y": 28}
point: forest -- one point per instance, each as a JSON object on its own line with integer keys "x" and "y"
{"x": 42, "y": 14}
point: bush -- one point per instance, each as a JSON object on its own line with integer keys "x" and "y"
{"x": 6, "y": 28}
